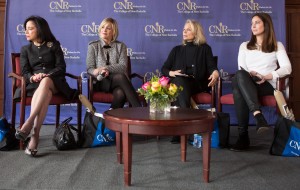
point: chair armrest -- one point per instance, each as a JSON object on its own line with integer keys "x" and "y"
{"x": 135, "y": 75}
{"x": 14, "y": 75}
{"x": 72, "y": 76}
{"x": 78, "y": 79}
{"x": 23, "y": 84}
{"x": 281, "y": 82}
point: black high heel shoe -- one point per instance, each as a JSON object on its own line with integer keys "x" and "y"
{"x": 31, "y": 152}
{"x": 21, "y": 135}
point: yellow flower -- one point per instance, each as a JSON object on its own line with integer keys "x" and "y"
{"x": 155, "y": 86}
{"x": 172, "y": 89}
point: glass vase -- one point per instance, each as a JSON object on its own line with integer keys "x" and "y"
{"x": 157, "y": 106}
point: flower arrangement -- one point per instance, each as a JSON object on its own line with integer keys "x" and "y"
{"x": 159, "y": 91}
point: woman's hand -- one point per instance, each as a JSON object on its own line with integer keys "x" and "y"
{"x": 38, "y": 77}
{"x": 105, "y": 73}
{"x": 261, "y": 78}
{"x": 101, "y": 71}
{"x": 176, "y": 73}
{"x": 213, "y": 78}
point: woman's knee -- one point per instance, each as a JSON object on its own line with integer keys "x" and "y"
{"x": 119, "y": 93}
{"x": 241, "y": 75}
{"x": 119, "y": 77}
{"x": 47, "y": 84}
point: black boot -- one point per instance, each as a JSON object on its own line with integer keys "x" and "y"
{"x": 242, "y": 143}
{"x": 261, "y": 123}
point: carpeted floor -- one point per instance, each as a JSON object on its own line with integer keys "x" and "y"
{"x": 156, "y": 165}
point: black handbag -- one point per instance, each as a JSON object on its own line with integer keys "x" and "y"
{"x": 63, "y": 137}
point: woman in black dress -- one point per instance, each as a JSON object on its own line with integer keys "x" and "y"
{"x": 43, "y": 66}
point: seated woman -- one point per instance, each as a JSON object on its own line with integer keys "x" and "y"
{"x": 257, "y": 61}
{"x": 107, "y": 61}
{"x": 189, "y": 65}
{"x": 43, "y": 66}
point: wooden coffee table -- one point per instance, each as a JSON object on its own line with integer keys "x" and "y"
{"x": 180, "y": 121}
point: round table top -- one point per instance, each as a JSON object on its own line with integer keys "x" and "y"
{"x": 143, "y": 114}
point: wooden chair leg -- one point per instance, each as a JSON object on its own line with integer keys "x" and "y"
{"x": 79, "y": 113}
{"x": 57, "y": 115}
{"x": 22, "y": 121}
{"x": 13, "y": 115}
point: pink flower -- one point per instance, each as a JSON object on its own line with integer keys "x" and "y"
{"x": 164, "y": 81}
{"x": 146, "y": 86}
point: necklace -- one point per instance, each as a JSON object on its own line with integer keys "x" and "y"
{"x": 38, "y": 44}
{"x": 258, "y": 46}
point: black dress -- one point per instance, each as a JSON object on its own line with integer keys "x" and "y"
{"x": 47, "y": 58}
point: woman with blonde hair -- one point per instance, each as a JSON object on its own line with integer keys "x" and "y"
{"x": 107, "y": 61}
{"x": 191, "y": 65}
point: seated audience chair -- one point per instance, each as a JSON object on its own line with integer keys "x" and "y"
{"x": 227, "y": 99}
{"x": 105, "y": 97}
{"x": 19, "y": 82}
{"x": 205, "y": 97}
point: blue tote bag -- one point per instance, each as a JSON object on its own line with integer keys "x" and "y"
{"x": 95, "y": 133}
{"x": 286, "y": 138}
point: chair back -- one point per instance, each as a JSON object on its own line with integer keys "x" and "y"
{"x": 16, "y": 67}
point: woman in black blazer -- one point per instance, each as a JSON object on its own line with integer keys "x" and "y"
{"x": 43, "y": 66}
{"x": 191, "y": 65}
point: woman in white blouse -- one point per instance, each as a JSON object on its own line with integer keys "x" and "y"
{"x": 261, "y": 61}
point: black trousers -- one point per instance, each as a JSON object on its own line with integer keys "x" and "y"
{"x": 121, "y": 88}
{"x": 246, "y": 95}
{"x": 190, "y": 87}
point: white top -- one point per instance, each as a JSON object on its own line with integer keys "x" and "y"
{"x": 265, "y": 63}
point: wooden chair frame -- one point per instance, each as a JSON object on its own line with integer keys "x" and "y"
{"x": 19, "y": 82}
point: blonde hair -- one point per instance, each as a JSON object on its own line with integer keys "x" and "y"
{"x": 114, "y": 25}
{"x": 197, "y": 29}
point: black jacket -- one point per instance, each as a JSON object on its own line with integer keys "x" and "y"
{"x": 204, "y": 67}
{"x": 47, "y": 58}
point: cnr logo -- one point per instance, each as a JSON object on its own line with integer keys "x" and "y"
{"x": 182, "y": 6}
{"x": 218, "y": 29}
{"x": 295, "y": 144}
{"x": 20, "y": 28}
{"x": 59, "y": 5}
{"x": 123, "y": 5}
{"x": 129, "y": 52}
{"x": 90, "y": 28}
{"x": 155, "y": 28}
{"x": 249, "y": 6}
{"x": 65, "y": 50}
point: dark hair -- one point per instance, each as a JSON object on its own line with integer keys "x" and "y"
{"x": 43, "y": 30}
{"x": 269, "y": 43}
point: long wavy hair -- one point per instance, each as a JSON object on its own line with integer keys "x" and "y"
{"x": 269, "y": 43}
{"x": 197, "y": 29}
